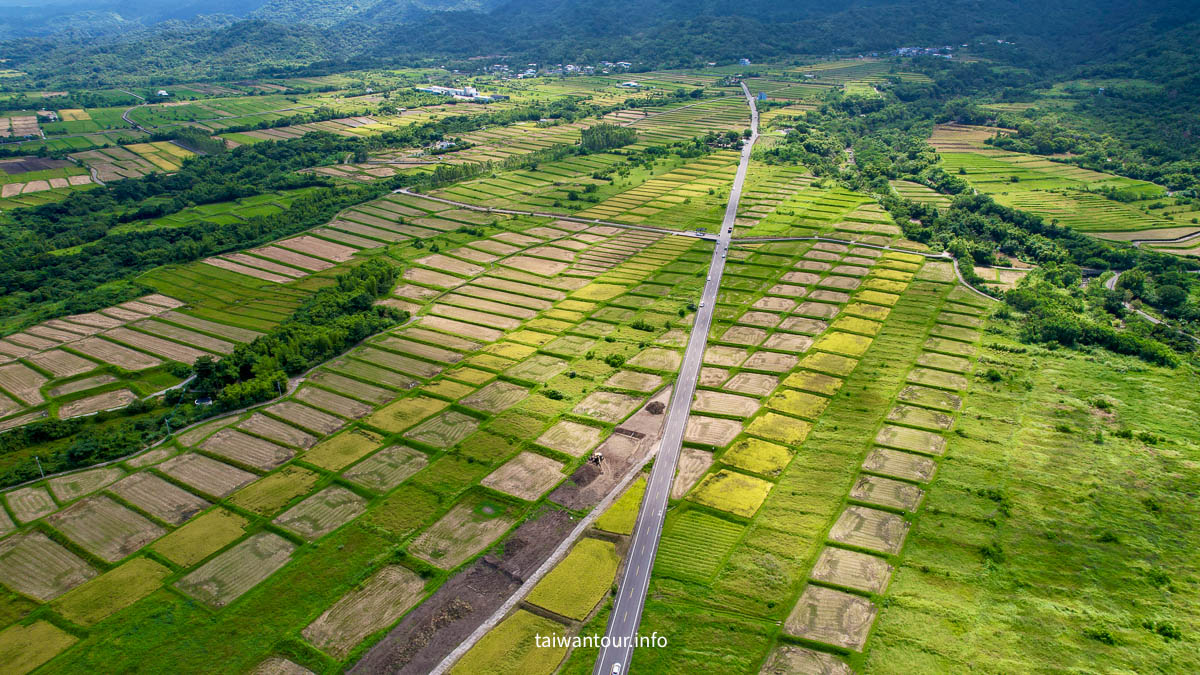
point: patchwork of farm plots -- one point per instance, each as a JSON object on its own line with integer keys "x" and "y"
{"x": 30, "y": 175}
{"x": 1053, "y": 190}
{"x": 134, "y": 160}
{"x": 688, "y": 120}
{"x": 500, "y": 143}
{"x": 369, "y": 491}
{"x": 683, "y": 197}
{"x": 831, "y": 378}
{"x": 350, "y": 126}
{"x": 86, "y": 363}
{"x": 788, "y": 203}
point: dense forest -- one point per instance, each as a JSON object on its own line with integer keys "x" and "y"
{"x": 292, "y": 38}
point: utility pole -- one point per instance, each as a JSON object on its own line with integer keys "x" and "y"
{"x": 39, "y": 463}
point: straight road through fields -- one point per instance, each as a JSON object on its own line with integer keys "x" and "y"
{"x": 631, "y": 595}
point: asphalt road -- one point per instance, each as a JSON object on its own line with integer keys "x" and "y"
{"x": 631, "y": 595}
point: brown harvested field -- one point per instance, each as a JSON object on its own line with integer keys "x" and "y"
{"x": 159, "y": 498}
{"x": 870, "y": 529}
{"x": 319, "y": 248}
{"x": 30, "y": 341}
{"x": 423, "y": 351}
{"x": 161, "y": 301}
{"x": 8, "y": 406}
{"x": 729, "y": 357}
{"x": 761, "y": 319}
{"x": 206, "y": 475}
{"x": 34, "y": 565}
{"x": 265, "y": 266}
{"x": 634, "y": 381}
{"x": 495, "y": 397}
{"x": 306, "y": 417}
{"x": 520, "y": 288}
{"x": 361, "y": 370}
{"x": 788, "y": 659}
{"x": 489, "y": 306}
{"x": 322, "y": 513}
{"x": 352, "y": 387}
{"x": 712, "y": 377}
{"x": 783, "y": 342}
{"x": 527, "y": 476}
{"x": 398, "y": 362}
{"x": 115, "y": 354}
{"x": 852, "y": 569}
{"x": 60, "y": 363}
{"x": 820, "y": 310}
{"x": 375, "y": 605}
{"x": 441, "y": 262}
{"x": 277, "y": 431}
{"x": 607, "y": 406}
{"x": 832, "y": 617}
{"x": 22, "y": 382}
{"x": 465, "y": 530}
{"x": 755, "y": 384}
{"x": 788, "y": 290}
{"x": 887, "y": 492}
{"x": 247, "y": 450}
{"x": 193, "y": 338}
{"x": 105, "y": 528}
{"x": 226, "y": 577}
{"x": 198, "y": 432}
{"x": 900, "y": 465}
{"x": 157, "y": 346}
{"x": 692, "y": 465}
{"x": 572, "y": 438}
{"x": 81, "y": 483}
{"x": 232, "y": 333}
{"x": 772, "y": 362}
{"x": 231, "y": 266}
{"x": 475, "y": 316}
{"x": 770, "y": 304}
{"x": 913, "y": 440}
{"x": 538, "y": 266}
{"x": 516, "y": 239}
{"x": 711, "y": 431}
{"x": 94, "y": 404}
{"x": 719, "y": 403}
{"x": 430, "y": 278}
{"x": 331, "y": 402}
{"x": 81, "y": 385}
{"x": 30, "y": 503}
{"x": 68, "y": 327}
{"x": 744, "y": 335}
{"x": 386, "y": 469}
{"x": 495, "y": 247}
{"x": 304, "y": 262}
{"x": 445, "y": 430}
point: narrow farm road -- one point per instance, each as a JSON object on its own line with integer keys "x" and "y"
{"x": 631, "y": 595}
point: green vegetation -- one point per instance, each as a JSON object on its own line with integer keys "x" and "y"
{"x": 606, "y": 137}
{"x": 325, "y": 325}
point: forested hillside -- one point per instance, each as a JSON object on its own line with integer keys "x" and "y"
{"x": 284, "y": 36}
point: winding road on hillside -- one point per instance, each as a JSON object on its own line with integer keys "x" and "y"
{"x": 631, "y": 595}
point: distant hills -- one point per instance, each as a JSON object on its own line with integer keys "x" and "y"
{"x": 104, "y": 41}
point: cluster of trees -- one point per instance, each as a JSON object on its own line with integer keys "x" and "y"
{"x": 606, "y": 137}
{"x": 192, "y": 138}
{"x": 327, "y": 324}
